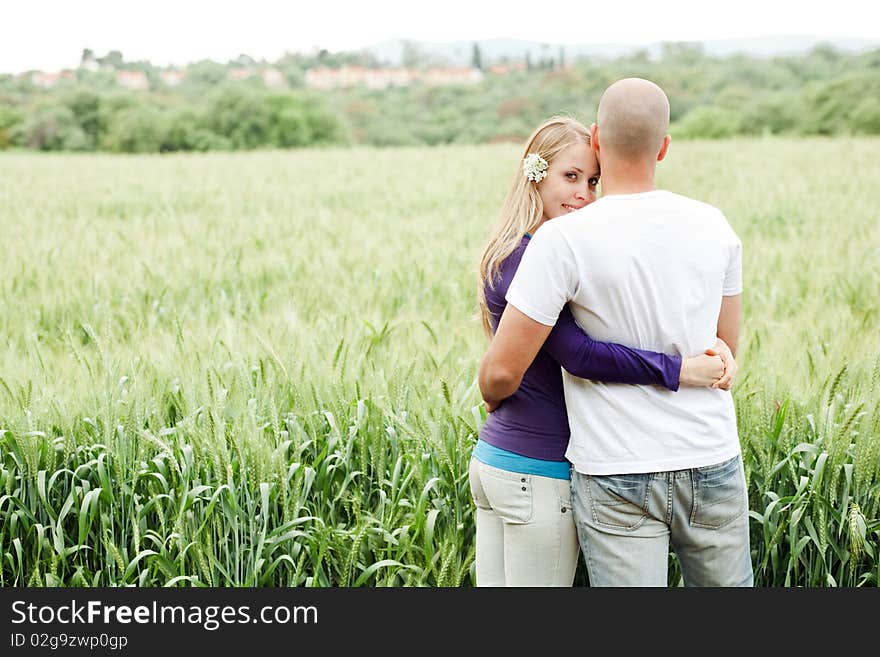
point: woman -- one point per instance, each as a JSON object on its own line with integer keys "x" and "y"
{"x": 519, "y": 477}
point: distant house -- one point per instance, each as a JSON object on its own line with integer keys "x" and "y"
{"x": 390, "y": 77}
{"x": 273, "y": 78}
{"x": 335, "y": 78}
{"x": 133, "y": 80}
{"x": 47, "y": 80}
{"x": 382, "y": 78}
{"x": 450, "y": 76}
{"x": 270, "y": 76}
{"x": 239, "y": 73}
{"x": 172, "y": 77}
{"x": 504, "y": 69}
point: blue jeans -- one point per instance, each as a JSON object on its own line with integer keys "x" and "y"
{"x": 626, "y": 524}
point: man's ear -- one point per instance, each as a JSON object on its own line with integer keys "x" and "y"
{"x": 594, "y": 138}
{"x": 664, "y": 147}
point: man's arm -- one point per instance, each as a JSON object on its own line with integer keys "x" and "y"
{"x": 510, "y": 353}
{"x": 730, "y": 320}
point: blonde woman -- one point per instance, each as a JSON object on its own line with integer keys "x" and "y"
{"x": 519, "y": 477}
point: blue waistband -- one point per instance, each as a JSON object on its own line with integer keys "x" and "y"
{"x": 505, "y": 460}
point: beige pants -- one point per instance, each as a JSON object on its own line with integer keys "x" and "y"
{"x": 526, "y": 534}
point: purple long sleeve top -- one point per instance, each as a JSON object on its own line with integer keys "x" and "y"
{"x": 533, "y": 421}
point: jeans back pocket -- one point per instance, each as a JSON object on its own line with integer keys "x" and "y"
{"x": 619, "y": 501}
{"x": 719, "y": 494}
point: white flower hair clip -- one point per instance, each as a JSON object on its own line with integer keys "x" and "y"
{"x": 534, "y": 167}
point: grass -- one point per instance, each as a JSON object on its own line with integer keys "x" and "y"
{"x": 258, "y": 368}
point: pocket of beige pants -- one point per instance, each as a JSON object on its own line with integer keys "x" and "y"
{"x": 509, "y": 493}
{"x": 477, "y": 493}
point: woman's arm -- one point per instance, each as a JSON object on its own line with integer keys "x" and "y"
{"x": 587, "y": 358}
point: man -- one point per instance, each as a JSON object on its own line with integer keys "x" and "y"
{"x": 655, "y": 270}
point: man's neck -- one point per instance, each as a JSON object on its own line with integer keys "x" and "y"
{"x": 612, "y": 188}
{"x": 619, "y": 178}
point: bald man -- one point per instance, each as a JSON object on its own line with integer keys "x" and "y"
{"x": 656, "y": 270}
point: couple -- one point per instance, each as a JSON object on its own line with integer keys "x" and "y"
{"x": 627, "y": 447}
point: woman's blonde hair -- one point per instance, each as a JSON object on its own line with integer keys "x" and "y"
{"x": 523, "y": 210}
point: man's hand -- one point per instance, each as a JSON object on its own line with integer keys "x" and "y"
{"x": 730, "y": 367}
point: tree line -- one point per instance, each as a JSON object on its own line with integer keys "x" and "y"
{"x": 823, "y": 92}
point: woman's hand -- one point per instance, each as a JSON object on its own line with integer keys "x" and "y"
{"x": 730, "y": 367}
{"x": 715, "y": 368}
{"x": 702, "y": 371}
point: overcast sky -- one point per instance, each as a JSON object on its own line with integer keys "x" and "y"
{"x": 45, "y": 35}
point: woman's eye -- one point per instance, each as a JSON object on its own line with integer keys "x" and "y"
{"x": 571, "y": 175}
{"x": 592, "y": 182}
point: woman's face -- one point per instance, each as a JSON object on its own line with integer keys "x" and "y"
{"x": 571, "y": 181}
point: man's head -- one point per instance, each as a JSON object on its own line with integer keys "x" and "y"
{"x": 633, "y": 120}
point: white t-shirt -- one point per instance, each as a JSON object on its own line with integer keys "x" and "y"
{"x": 645, "y": 270}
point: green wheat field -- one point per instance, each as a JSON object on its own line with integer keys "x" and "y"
{"x": 258, "y": 369}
